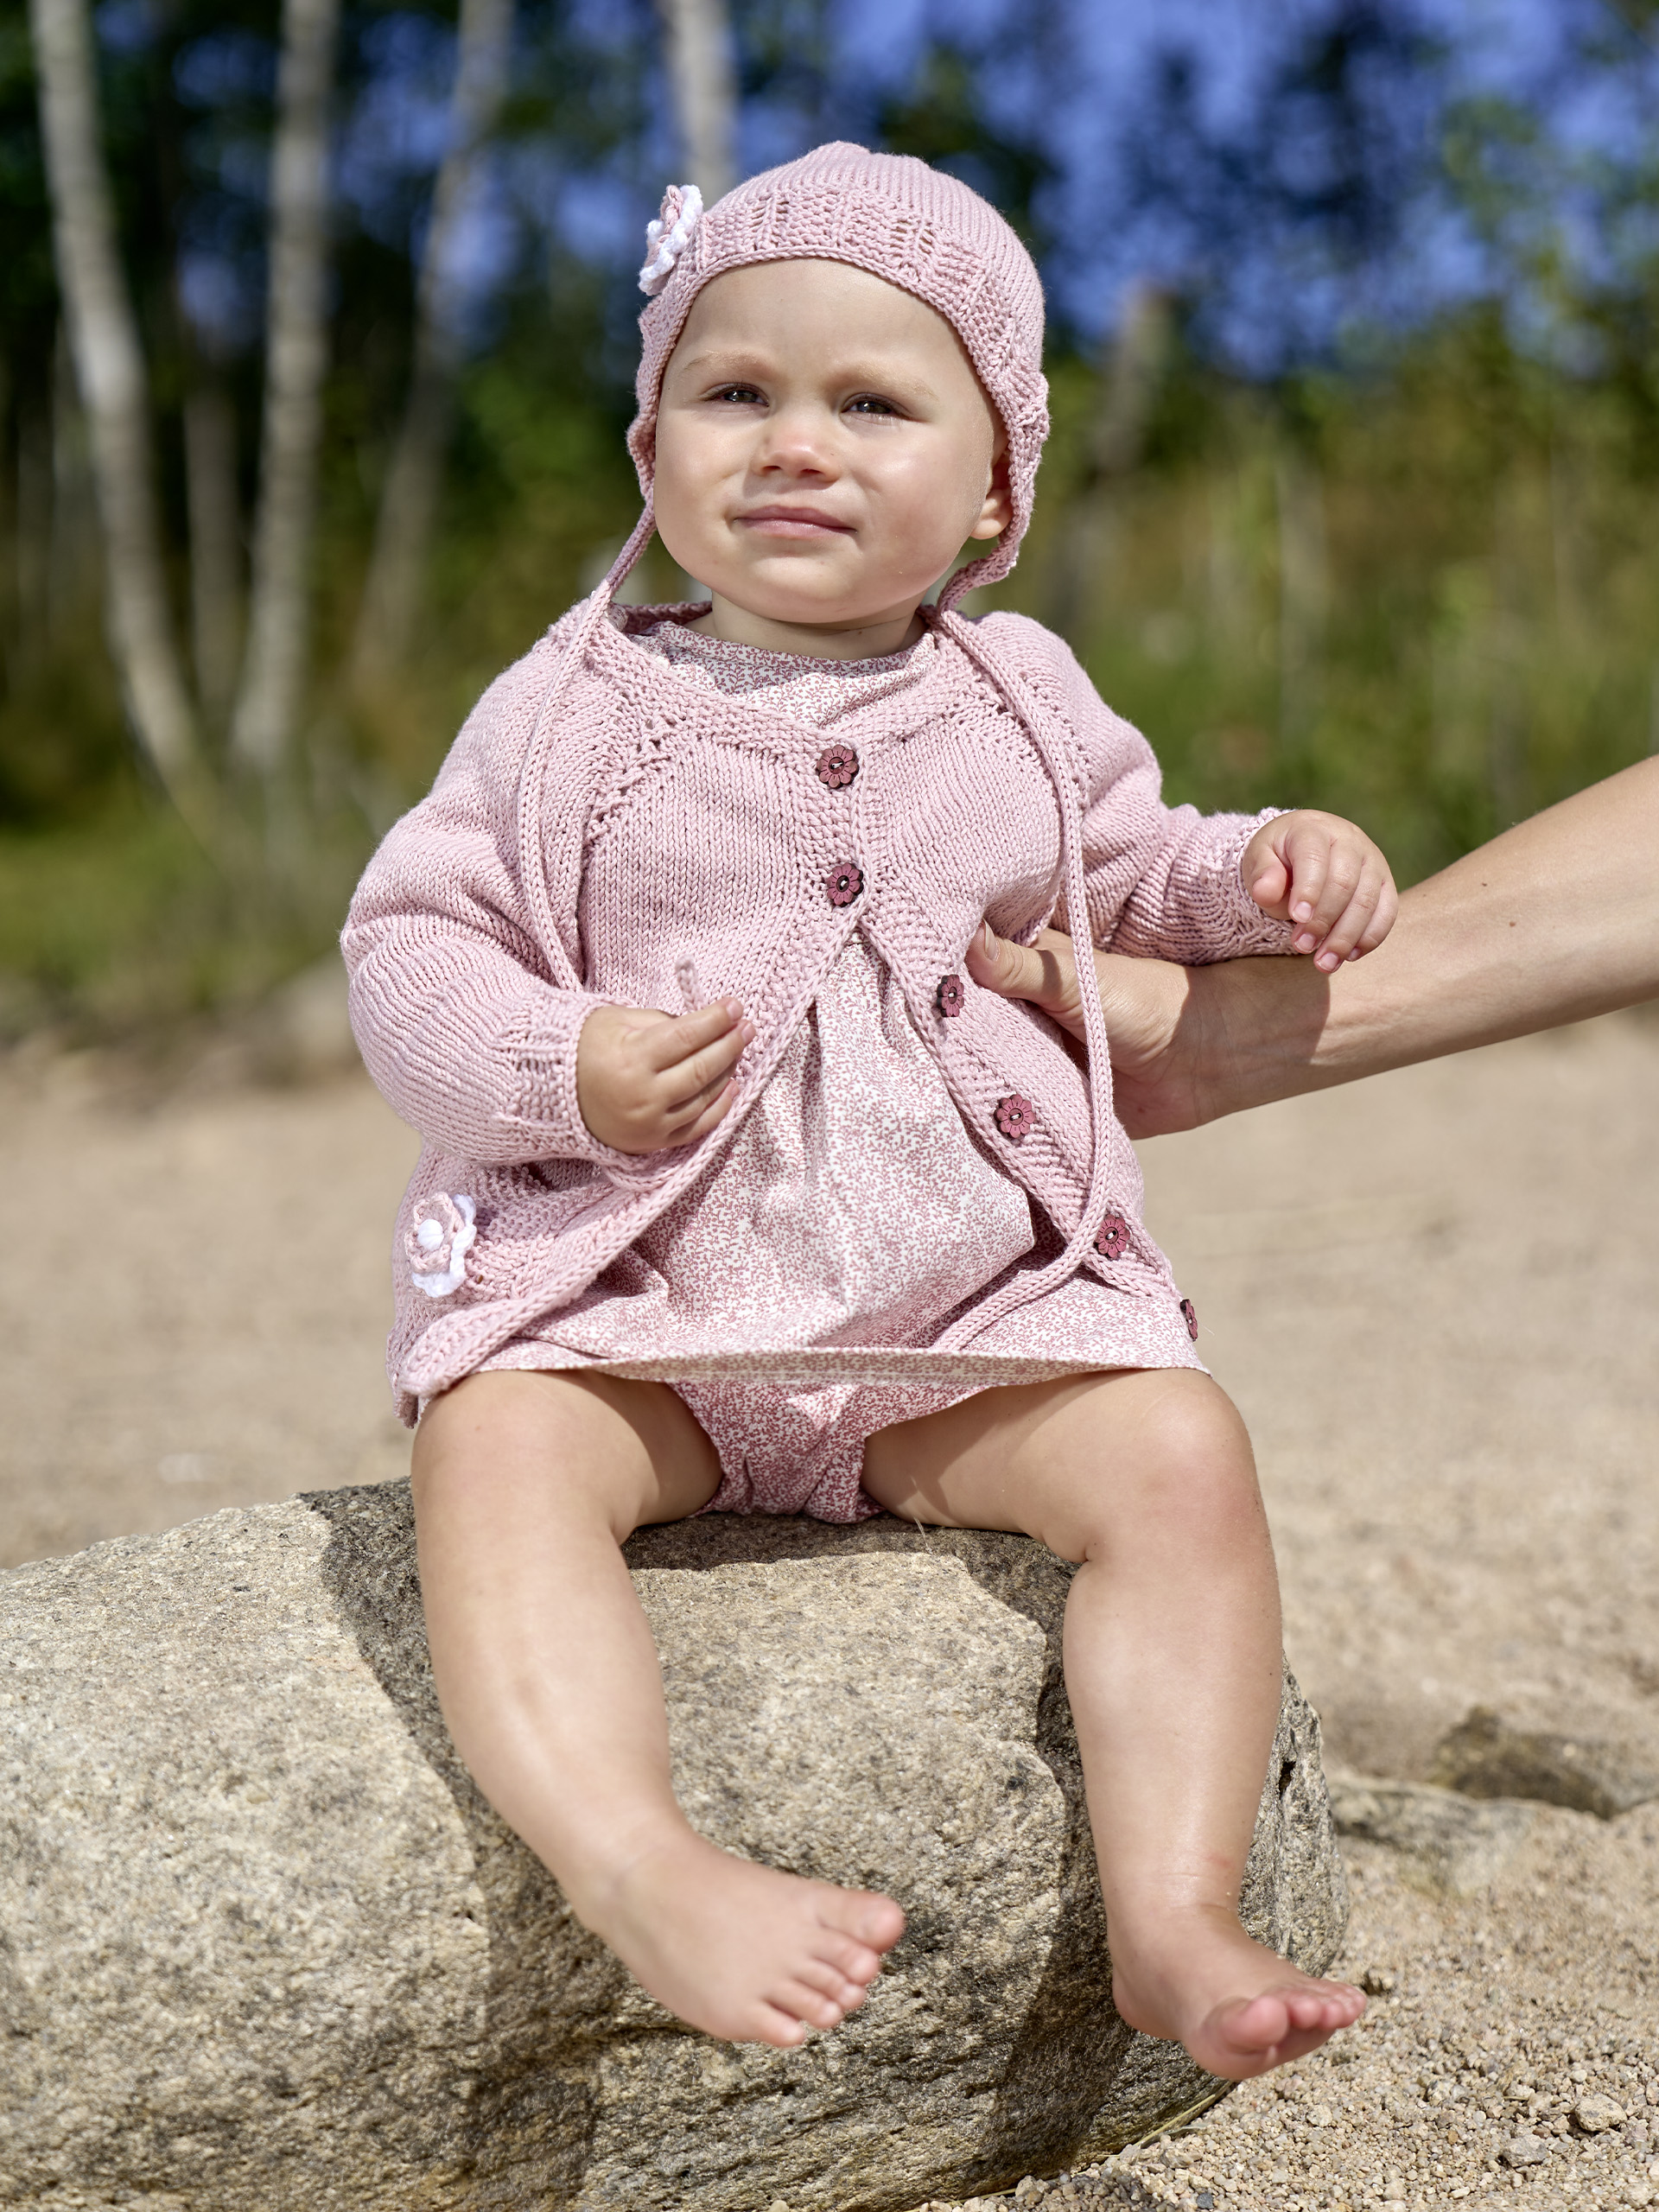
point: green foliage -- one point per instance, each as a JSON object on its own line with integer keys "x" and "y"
{"x": 1427, "y": 599}
{"x": 117, "y": 924}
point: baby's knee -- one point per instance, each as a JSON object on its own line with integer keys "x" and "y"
{"x": 1174, "y": 1456}
{"x": 557, "y": 1444}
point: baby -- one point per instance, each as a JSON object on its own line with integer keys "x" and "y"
{"x": 745, "y": 1190}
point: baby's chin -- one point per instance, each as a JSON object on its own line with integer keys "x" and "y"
{"x": 801, "y": 600}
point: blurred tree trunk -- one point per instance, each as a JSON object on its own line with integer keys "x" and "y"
{"x": 110, "y": 373}
{"x": 72, "y": 562}
{"x": 215, "y": 548}
{"x": 274, "y": 668}
{"x": 702, "y": 82}
{"x": 1130, "y": 376}
{"x": 408, "y": 501}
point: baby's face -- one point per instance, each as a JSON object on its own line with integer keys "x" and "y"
{"x": 824, "y": 448}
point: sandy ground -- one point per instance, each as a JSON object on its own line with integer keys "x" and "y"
{"x": 1434, "y": 1295}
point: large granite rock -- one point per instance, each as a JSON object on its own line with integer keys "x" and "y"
{"x": 264, "y": 1948}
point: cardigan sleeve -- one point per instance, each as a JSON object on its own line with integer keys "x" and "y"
{"x": 458, "y": 1019}
{"x": 1162, "y": 881}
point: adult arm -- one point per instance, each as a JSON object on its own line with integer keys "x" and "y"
{"x": 1553, "y": 921}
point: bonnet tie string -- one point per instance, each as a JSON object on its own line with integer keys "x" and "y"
{"x": 528, "y": 813}
{"x": 1022, "y": 1290}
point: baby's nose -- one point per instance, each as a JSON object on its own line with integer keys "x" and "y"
{"x": 799, "y": 442}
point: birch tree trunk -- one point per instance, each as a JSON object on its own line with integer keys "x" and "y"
{"x": 215, "y": 549}
{"x": 110, "y": 376}
{"x": 702, "y": 83}
{"x": 274, "y": 667}
{"x": 409, "y": 500}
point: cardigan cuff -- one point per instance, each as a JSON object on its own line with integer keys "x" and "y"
{"x": 542, "y": 1091}
{"x": 1211, "y": 885}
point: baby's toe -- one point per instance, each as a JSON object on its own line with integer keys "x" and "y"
{"x": 830, "y": 1981}
{"x": 870, "y": 1918}
{"x": 853, "y": 1960}
{"x": 773, "y": 2024}
{"x": 811, "y": 2005}
{"x": 1253, "y": 2024}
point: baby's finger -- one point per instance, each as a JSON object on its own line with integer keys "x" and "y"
{"x": 1352, "y": 924}
{"x": 688, "y": 1129}
{"x": 1307, "y": 859}
{"x": 676, "y": 1039}
{"x": 1342, "y": 869}
{"x": 1270, "y": 885}
{"x": 688, "y": 1086}
{"x": 1384, "y": 914}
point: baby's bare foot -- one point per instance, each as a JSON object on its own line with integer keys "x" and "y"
{"x": 1197, "y": 1979}
{"x": 740, "y": 1950}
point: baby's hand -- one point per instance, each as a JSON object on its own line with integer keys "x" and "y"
{"x": 644, "y": 1079}
{"x": 1328, "y": 877}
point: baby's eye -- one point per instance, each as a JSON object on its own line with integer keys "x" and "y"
{"x": 737, "y": 395}
{"x": 869, "y": 404}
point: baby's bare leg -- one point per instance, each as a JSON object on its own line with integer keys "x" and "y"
{"x": 525, "y": 1486}
{"x": 1173, "y": 1666}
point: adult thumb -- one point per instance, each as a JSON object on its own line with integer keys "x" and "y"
{"x": 995, "y": 964}
{"x": 1045, "y": 973}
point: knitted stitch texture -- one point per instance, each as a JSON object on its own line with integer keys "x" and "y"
{"x": 668, "y": 831}
{"x": 912, "y": 225}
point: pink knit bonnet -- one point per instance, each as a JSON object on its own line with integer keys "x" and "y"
{"x": 900, "y": 219}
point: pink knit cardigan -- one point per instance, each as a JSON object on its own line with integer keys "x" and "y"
{"x": 513, "y": 900}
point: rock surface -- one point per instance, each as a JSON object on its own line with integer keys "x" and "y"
{"x": 1483, "y": 1757}
{"x": 1450, "y": 1847}
{"x": 266, "y": 1947}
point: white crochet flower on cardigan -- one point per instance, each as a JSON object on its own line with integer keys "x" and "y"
{"x": 437, "y": 1245}
{"x": 668, "y": 234}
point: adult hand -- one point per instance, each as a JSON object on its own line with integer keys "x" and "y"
{"x": 645, "y": 1080}
{"x": 1157, "y": 1075}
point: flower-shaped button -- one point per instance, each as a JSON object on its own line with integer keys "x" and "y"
{"x": 1112, "y": 1238}
{"x": 437, "y": 1244}
{"x": 1016, "y": 1117}
{"x": 1190, "y": 1315}
{"x": 950, "y": 997}
{"x": 837, "y": 766}
{"x": 844, "y": 883}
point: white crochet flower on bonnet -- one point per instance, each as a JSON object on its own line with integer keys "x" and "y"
{"x": 667, "y": 238}
{"x": 438, "y": 1241}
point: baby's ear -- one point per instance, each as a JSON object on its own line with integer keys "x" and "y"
{"x": 998, "y": 510}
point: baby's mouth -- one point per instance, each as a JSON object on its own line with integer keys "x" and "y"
{"x": 792, "y": 521}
